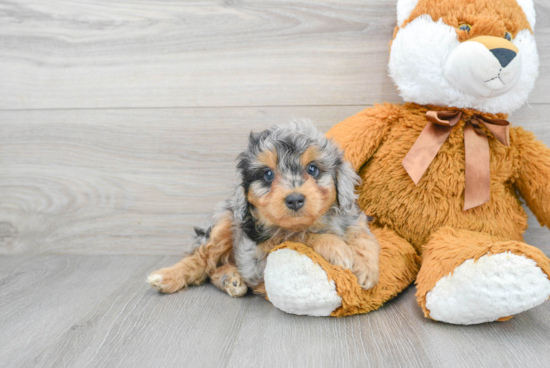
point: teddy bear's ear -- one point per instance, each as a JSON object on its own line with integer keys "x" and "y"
{"x": 405, "y": 8}
{"x": 529, "y": 10}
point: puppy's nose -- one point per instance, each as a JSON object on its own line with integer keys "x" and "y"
{"x": 504, "y": 56}
{"x": 295, "y": 201}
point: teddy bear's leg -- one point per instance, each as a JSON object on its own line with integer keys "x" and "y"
{"x": 468, "y": 277}
{"x": 300, "y": 281}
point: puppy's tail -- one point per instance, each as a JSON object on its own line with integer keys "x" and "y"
{"x": 202, "y": 235}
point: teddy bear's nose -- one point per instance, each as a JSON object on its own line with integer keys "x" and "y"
{"x": 504, "y": 56}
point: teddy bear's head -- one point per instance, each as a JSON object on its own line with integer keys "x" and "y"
{"x": 478, "y": 54}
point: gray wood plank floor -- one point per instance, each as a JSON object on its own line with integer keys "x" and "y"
{"x": 170, "y": 53}
{"x": 97, "y": 311}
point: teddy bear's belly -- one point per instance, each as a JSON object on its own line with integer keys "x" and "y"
{"x": 415, "y": 211}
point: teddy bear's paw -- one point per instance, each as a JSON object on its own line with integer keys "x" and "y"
{"x": 297, "y": 285}
{"x": 488, "y": 289}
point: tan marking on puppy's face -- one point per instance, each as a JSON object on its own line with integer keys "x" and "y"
{"x": 310, "y": 155}
{"x": 271, "y": 208}
{"x": 268, "y": 158}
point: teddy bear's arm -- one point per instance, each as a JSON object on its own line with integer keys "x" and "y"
{"x": 361, "y": 135}
{"x": 533, "y": 181}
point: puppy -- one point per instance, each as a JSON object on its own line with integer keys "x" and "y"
{"x": 295, "y": 186}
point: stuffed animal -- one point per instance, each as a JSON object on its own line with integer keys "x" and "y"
{"x": 442, "y": 174}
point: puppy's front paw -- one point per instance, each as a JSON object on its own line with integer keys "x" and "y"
{"x": 367, "y": 277}
{"x": 344, "y": 262}
{"x": 166, "y": 281}
{"x": 336, "y": 255}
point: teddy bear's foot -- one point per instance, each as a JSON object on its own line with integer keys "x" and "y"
{"x": 297, "y": 285}
{"x": 493, "y": 287}
{"x": 299, "y": 281}
{"x": 469, "y": 278}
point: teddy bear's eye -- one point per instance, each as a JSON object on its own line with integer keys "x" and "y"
{"x": 465, "y": 27}
{"x": 508, "y": 36}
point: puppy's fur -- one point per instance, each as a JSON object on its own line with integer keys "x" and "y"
{"x": 294, "y": 186}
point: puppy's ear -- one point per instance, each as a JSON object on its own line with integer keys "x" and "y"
{"x": 240, "y": 204}
{"x": 346, "y": 180}
{"x": 254, "y": 138}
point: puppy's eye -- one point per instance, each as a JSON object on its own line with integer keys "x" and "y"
{"x": 465, "y": 27}
{"x": 269, "y": 175}
{"x": 508, "y": 36}
{"x": 313, "y": 170}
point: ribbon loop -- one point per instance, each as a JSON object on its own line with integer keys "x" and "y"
{"x": 445, "y": 118}
{"x": 429, "y": 142}
{"x": 477, "y": 175}
{"x": 500, "y": 129}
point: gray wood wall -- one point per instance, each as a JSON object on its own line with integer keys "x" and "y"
{"x": 120, "y": 121}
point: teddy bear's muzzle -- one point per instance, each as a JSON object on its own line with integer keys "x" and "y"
{"x": 484, "y": 66}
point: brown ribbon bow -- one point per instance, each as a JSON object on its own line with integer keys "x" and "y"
{"x": 477, "y": 176}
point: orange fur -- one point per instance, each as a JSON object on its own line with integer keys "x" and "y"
{"x": 361, "y": 135}
{"x": 438, "y": 198}
{"x": 194, "y": 269}
{"x": 533, "y": 175}
{"x": 332, "y": 248}
{"x": 487, "y": 17}
{"x": 268, "y": 158}
{"x": 228, "y": 279}
{"x": 272, "y": 210}
{"x": 504, "y": 319}
{"x": 311, "y": 154}
{"x": 376, "y": 141}
{"x": 260, "y": 289}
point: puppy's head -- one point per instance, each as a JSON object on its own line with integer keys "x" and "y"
{"x": 292, "y": 175}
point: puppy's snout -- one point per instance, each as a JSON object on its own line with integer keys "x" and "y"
{"x": 295, "y": 201}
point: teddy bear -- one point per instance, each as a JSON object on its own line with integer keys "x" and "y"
{"x": 441, "y": 174}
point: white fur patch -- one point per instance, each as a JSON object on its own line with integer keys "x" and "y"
{"x": 404, "y": 10}
{"x": 419, "y": 54}
{"x": 157, "y": 281}
{"x": 495, "y": 286}
{"x": 529, "y": 10}
{"x": 475, "y": 70}
{"x": 296, "y": 285}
